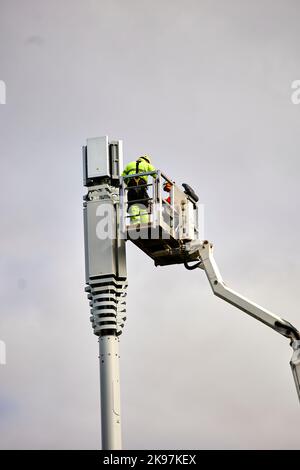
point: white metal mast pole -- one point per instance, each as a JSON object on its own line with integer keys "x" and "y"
{"x": 110, "y": 392}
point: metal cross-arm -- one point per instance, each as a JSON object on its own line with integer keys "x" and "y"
{"x": 208, "y": 264}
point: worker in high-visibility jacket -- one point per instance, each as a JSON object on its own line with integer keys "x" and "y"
{"x": 137, "y": 194}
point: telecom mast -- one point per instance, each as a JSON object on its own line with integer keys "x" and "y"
{"x": 106, "y": 275}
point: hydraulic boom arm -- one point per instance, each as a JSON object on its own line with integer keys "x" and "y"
{"x": 208, "y": 264}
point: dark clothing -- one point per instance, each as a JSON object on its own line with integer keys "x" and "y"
{"x": 139, "y": 192}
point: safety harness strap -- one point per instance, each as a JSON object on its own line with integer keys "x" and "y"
{"x": 137, "y": 179}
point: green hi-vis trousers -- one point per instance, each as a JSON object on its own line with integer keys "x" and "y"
{"x": 138, "y": 214}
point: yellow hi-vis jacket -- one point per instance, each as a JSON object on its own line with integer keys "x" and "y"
{"x": 138, "y": 166}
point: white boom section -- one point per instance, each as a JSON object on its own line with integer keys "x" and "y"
{"x": 229, "y": 295}
{"x": 208, "y": 264}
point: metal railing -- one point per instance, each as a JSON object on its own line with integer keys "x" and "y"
{"x": 152, "y": 205}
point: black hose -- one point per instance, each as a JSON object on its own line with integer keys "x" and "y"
{"x": 194, "y": 266}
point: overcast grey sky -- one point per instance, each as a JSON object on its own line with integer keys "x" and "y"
{"x": 204, "y": 86}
